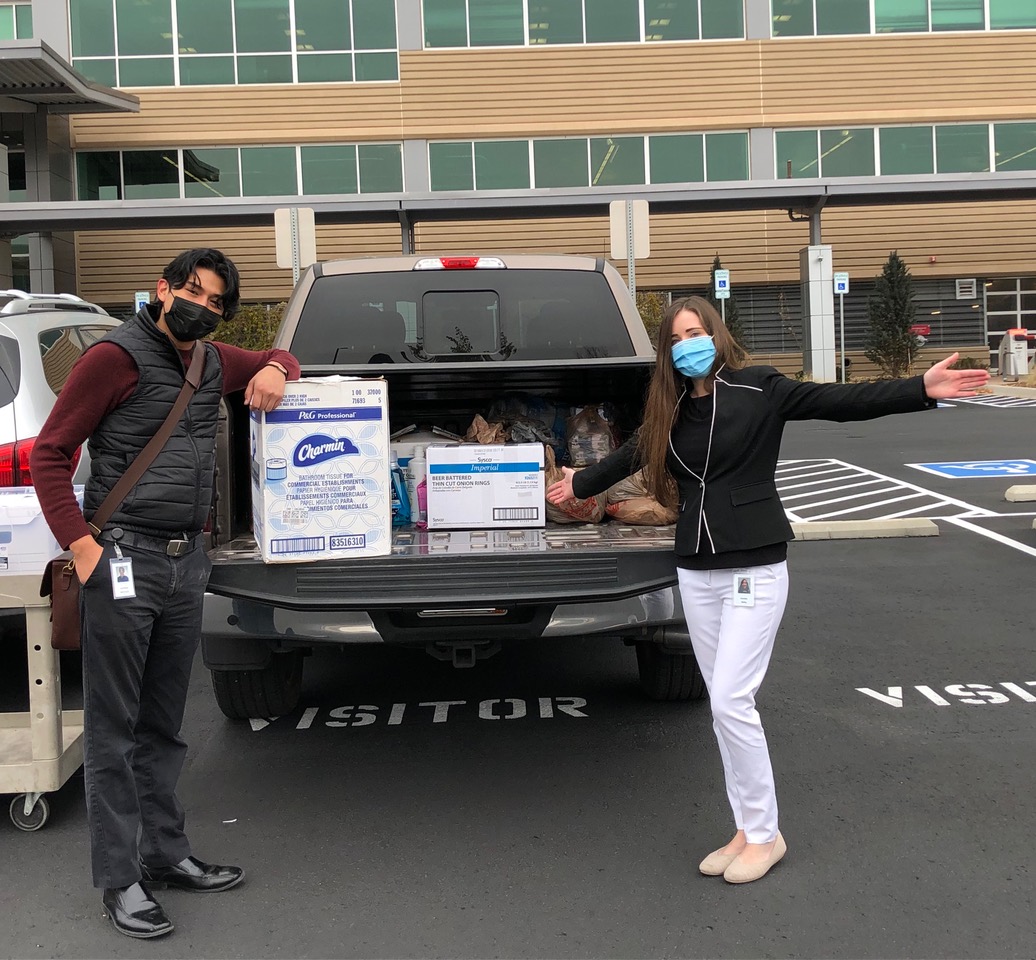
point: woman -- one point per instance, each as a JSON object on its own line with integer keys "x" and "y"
{"x": 709, "y": 445}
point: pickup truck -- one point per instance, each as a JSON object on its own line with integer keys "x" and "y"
{"x": 450, "y": 335}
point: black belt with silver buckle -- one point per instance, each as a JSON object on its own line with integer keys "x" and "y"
{"x": 171, "y": 548}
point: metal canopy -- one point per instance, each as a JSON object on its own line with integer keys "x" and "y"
{"x": 33, "y": 77}
{"x": 800, "y": 197}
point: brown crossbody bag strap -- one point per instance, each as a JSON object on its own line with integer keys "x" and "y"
{"x": 146, "y": 457}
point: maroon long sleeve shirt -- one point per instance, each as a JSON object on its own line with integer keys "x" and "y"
{"x": 105, "y": 376}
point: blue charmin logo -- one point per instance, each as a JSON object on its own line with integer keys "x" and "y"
{"x": 320, "y": 448}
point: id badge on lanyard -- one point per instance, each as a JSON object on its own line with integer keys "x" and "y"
{"x": 123, "y": 586}
{"x": 744, "y": 588}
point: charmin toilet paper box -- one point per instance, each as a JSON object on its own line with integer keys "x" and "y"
{"x": 26, "y": 543}
{"x": 320, "y": 472}
{"x": 485, "y": 485}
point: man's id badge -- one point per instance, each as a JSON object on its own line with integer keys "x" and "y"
{"x": 122, "y": 578}
{"x": 744, "y": 589}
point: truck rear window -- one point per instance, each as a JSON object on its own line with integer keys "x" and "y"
{"x": 450, "y": 315}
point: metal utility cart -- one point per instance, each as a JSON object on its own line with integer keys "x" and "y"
{"x": 41, "y": 749}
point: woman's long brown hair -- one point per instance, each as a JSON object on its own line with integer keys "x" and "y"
{"x": 667, "y": 385}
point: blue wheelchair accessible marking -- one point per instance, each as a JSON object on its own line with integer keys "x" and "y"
{"x": 980, "y": 468}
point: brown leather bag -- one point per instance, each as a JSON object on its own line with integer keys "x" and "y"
{"x": 60, "y": 581}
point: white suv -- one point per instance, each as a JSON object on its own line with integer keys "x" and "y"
{"x": 41, "y": 337}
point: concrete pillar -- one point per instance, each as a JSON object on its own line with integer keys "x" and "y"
{"x": 408, "y": 25}
{"x": 760, "y": 153}
{"x": 48, "y": 176}
{"x": 758, "y": 25}
{"x": 50, "y": 24}
{"x": 6, "y": 271}
{"x": 816, "y": 271}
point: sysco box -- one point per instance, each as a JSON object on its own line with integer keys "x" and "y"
{"x": 320, "y": 472}
{"x": 26, "y": 543}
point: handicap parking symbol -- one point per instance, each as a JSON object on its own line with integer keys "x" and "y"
{"x": 979, "y": 468}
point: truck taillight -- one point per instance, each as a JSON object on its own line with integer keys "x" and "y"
{"x": 14, "y": 463}
{"x": 460, "y": 263}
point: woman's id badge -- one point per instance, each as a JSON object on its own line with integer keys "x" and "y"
{"x": 122, "y": 578}
{"x": 744, "y": 589}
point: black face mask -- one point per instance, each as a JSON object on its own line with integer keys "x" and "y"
{"x": 190, "y": 321}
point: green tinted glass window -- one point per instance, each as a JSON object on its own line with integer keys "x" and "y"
{"x": 7, "y": 28}
{"x": 962, "y": 148}
{"x": 253, "y": 69}
{"x": 670, "y": 20}
{"x": 374, "y": 25}
{"x": 268, "y": 172}
{"x": 847, "y": 153}
{"x": 555, "y": 21}
{"x": 262, "y": 25}
{"x": 843, "y": 16}
{"x": 1012, "y": 14}
{"x": 100, "y": 71}
{"x": 147, "y": 72}
{"x": 23, "y": 21}
{"x": 726, "y": 156}
{"x": 958, "y": 15}
{"x": 792, "y": 18}
{"x": 381, "y": 167}
{"x": 906, "y": 150}
{"x": 796, "y": 154}
{"x": 320, "y": 25}
{"x": 211, "y": 173}
{"x": 560, "y": 163}
{"x": 1015, "y": 145}
{"x": 376, "y": 66}
{"x": 150, "y": 174}
{"x": 502, "y": 165}
{"x": 329, "y": 169}
{"x": 616, "y": 161}
{"x": 450, "y": 166}
{"x": 900, "y": 16}
{"x": 677, "y": 159}
{"x": 144, "y": 26}
{"x": 93, "y": 28}
{"x": 98, "y": 176}
{"x": 722, "y": 20}
{"x": 445, "y": 23}
{"x": 325, "y": 67}
{"x": 196, "y": 71}
{"x": 496, "y": 23}
{"x": 612, "y": 21}
{"x": 205, "y": 26}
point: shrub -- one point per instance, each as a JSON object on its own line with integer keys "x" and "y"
{"x": 652, "y": 306}
{"x": 254, "y": 326}
{"x": 968, "y": 363}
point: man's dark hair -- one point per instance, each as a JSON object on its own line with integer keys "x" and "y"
{"x": 185, "y": 266}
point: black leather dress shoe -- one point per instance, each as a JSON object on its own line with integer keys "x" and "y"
{"x": 134, "y": 912}
{"x": 193, "y": 874}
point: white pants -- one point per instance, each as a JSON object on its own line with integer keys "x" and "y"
{"x": 733, "y": 646}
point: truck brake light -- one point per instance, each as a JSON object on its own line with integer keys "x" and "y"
{"x": 460, "y": 263}
{"x": 14, "y": 463}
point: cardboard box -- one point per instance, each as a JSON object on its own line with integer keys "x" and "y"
{"x": 485, "y": 485}
{"x": 26, "y": 543}
{"x": 320, "y": 472}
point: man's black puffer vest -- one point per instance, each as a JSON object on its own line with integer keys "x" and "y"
{"x": 174, "y": 495}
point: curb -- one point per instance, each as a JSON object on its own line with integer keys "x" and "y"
{"x": 1020, "y": 493}
{"x": 864, "y": 529}
{"x": 1010, "y": 390}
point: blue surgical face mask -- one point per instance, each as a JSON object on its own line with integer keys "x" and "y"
{"x": 694, "y": 357}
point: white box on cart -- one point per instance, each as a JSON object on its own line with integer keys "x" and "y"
{"x": 485, "y": 485}
{"x": 26, "y": 543}
{"x": 320, "y": 472}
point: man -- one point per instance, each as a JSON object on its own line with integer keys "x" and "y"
{"x": 139, "y": 634}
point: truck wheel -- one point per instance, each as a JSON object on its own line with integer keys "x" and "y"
{"x": 270, "y": 692}
{"x": 669, "y": 676}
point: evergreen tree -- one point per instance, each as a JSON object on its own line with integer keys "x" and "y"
{"x": 890, "y": 344}
{"x": 734, "y": 326}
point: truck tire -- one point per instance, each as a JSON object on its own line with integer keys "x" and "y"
{"x": 270, "y": 692}
{"x": 669, "y": 676}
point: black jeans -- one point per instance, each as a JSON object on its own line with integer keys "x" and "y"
{"x": 137, "y": 656}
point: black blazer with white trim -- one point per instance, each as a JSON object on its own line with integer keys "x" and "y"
{"x": 733, "y": 504}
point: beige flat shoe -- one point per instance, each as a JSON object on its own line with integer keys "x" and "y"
{"x": 716, "y": 863}
{"x": 739, "y": 872}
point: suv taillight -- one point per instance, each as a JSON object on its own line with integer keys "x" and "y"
{"x": 14, "y": 463}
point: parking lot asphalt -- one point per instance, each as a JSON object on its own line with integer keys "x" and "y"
{"x": 900, "y": 710}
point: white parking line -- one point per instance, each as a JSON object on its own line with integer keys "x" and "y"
{"x": 992, "y": 535}
{"x": 998, "y": 400}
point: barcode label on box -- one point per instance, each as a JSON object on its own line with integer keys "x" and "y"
{"x": 352, "y": 541}
{"x": 297, "y": 545}
{"x": 516, "y": 513}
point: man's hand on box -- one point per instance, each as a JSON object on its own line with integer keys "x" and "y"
{"x": 266, "y": 389}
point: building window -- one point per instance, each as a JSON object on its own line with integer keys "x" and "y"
{"x": 129, "y": 43}
{"x": 1012, "y": 14}
{"x": 1010, "y": 303}
{"x": 201, "y": 173}
{"x": 962, "y": 148}
{"x": 1014, "y": 146}
{"x": 808, "y": 18}
{"x": 906, "y": 150}
{"x": 482, "y": 23}
{"x": 16, "y": 21}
